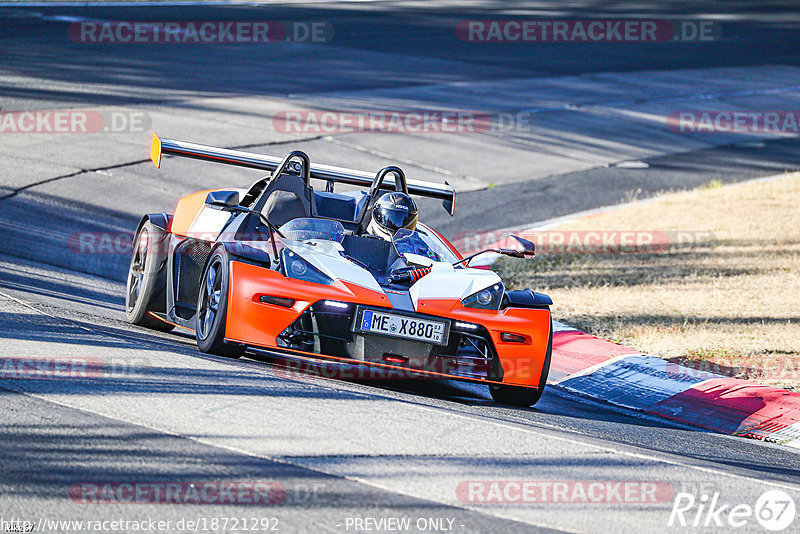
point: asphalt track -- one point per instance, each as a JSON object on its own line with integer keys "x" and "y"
{"x": 158, "y": 411}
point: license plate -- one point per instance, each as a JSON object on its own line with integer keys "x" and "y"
{"x": 404, "y": 326}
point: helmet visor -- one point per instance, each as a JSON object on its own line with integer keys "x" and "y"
{"x": 394, "y": 219}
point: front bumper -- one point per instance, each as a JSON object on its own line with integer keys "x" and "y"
{"x": 321, "y": 318}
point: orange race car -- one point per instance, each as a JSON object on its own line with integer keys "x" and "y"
{"x": 344, "y": 276}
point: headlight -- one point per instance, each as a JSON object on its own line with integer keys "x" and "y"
{"x": 485, "y": 299}
{"x": 296, "y": 267}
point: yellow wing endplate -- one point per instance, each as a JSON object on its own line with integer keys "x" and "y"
{"x": 155, "y": 150}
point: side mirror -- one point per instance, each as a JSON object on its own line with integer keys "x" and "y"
{"x": 222, "y": 199}
{"x": 520, "y": 248}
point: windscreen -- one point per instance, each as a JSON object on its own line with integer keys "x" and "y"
{"x": 313, "y": 229}
{"x": 423, "y": 244}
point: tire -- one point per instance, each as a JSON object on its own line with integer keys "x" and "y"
{"x": 144, "y": 287}
{"x": 522, "y": 396}
{"x": 212, "y": 308}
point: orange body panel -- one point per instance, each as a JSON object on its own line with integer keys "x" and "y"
{"x": 186, "y": 211}
{"x": 521, "y": 362}
{"x": 256, "y": 323}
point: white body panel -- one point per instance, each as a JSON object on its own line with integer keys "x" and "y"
{"x": 209, "y": 222}
{"x": 324, "y": 255}
{"x": 445, "y": 282}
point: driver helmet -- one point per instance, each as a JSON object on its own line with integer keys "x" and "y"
{"x": 391, "y": 212}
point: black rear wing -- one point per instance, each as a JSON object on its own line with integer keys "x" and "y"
{"x": 444, "y": 192}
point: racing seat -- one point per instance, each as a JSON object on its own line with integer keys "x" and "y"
{"x": 281, "y": 199}
{"x": 283, "y": 206}
{"x": 344, "y": 207}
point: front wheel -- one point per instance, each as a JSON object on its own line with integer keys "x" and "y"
{"x": 212, "y": 308}
{"x": 144, "y": 288}
{"x": 515, "y": 395}
{"x": 522, "y": 396}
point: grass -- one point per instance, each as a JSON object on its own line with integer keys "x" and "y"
{"x": 727, "y": 301}
{"x": 713, "y": 184}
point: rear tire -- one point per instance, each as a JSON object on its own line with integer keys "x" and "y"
{"x": 522, "y": 396}
{"x": 212, "y": 308}
{"x": 143, "y": 287}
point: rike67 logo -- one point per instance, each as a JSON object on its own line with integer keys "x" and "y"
{"x": 774, "y": 510}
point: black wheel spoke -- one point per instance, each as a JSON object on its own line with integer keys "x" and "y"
{"x": 137, "y": 269}
{"x": 134, "y": 286}
{"x": 212, "y": 275}
{"x": 208, "y": 321}
{"x": 211, "y": 300}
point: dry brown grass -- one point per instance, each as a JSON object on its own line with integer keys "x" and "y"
{"x": 729, "y": 303}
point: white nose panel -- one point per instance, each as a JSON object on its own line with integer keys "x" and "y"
{"x": 445, "y": 282}
{"x": 324, "y": 255}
